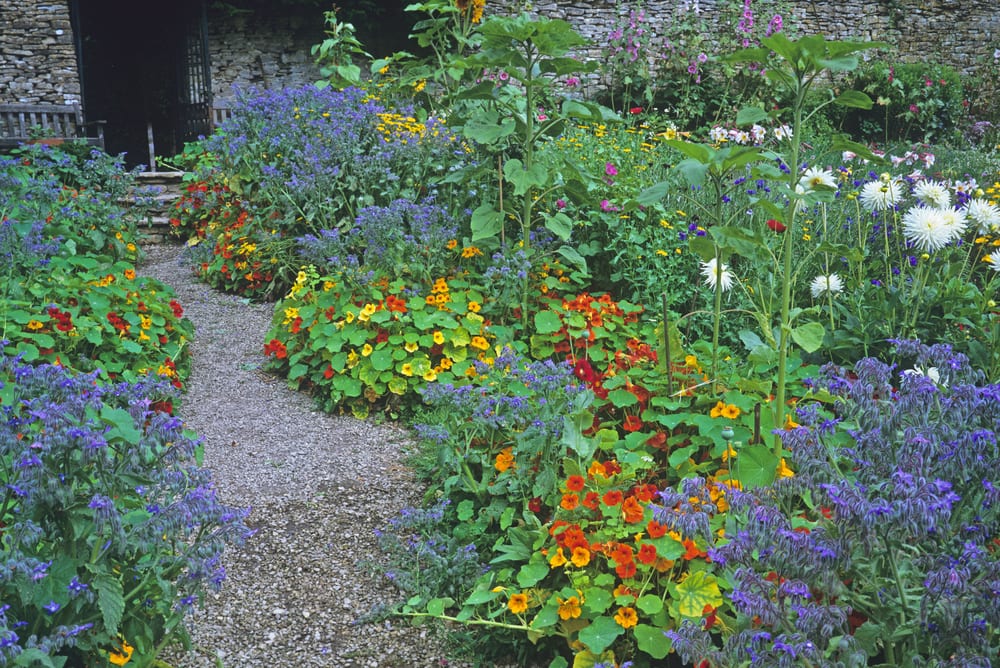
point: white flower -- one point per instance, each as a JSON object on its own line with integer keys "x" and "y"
{"x": 881, "y": 195}
{"x": 930, "y": 229}
{"x": 993, "y": 259}
{"x": 986, "y": 216}
{"x": 758, "y": 133}
{"x": 933, "y": 193}
{"x": 822, "y": 285}
{"x": 815, "y": 177}
{"x": 956, "y": 221}
{"x": 710, "y": 271}
{"x": 931, "y": 372}
{"x": 782, "y": 132}
{"x": 718, "y": 135}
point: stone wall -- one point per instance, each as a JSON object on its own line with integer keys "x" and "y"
{"x": 37, "y": 53}
{"x": 264, "y": 49}
{"x": 963, "y": 34}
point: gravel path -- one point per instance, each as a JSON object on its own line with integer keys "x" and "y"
{"x": 318, "y": 485}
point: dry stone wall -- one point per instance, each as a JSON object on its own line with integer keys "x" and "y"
{"x": 269, "y": 48}
{"x": 37, "y": 53}
{"x": 263, "y": 50}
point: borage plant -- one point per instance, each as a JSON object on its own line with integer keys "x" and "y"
{"x": 111, "y": 531}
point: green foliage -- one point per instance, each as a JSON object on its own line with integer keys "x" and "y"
{"x": 336, "y": 54}
{"x": 374, "y": 344}
{"x": 914, "y": 102}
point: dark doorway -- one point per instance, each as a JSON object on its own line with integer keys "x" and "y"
{"x": 144, "y": 65}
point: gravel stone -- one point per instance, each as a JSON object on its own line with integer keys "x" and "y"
{"x": 298, "y": 592}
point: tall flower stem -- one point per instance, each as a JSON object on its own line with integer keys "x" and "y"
{"x": 784, "y": 338}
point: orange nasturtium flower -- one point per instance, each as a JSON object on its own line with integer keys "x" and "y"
{"x": 569, "y": 501}
{"x": 632, "y": 510}
{"x": 518, "y": 603}
{"x": 504, "y": 459}
{"x": 581, "y": 557}
{"x": 569, "y": 608}
{"x": 626, "y": 617}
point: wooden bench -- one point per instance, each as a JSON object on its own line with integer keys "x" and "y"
{"x": 53, "y": 123}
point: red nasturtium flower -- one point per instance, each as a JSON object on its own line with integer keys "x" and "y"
{"x": 591, "y": 500}
{"x": 575, "y": 483}
{"x": 632, "y": 423}
{"x": 612, "y": 498}
{"x": 632, "y": 511}
{"x": 647, "y": 554}
{"x": 655, "y": 529}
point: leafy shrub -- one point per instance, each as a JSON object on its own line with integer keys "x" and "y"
{"x": 894, "y": 514}
{"x": 914, "y": 102}
{"x": 110, "y": 529}
{"x": 363, "y": 343}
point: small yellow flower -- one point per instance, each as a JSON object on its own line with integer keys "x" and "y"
{"x": 130, "y": 274}
{"x": 120, "y": 656}
{"x": 731, "y": 411}
{"x": 411, "y": 346}
{"x": 366, "y": 350}
{"x": 438, "y": 338}
{"x": 430, "y": 375}
{"x": 474, "y": 307}
{"x": 471, "y": 251}
{"x": 291, "y": 313}
{"x": 406, "y": 369}
{"x": 479, "y": 343}
{"x": 34, "y": 325}
{"x": 784, "y": 471}
{"x": 558, "y": 559}
{"x": 626, "y": 617}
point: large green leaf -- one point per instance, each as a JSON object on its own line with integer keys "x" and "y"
{"x": 698, "y": 590}
{"x": 525, "y": 178}
{"x": 486, "y": 222}
{"x": 855, "y": 99}
{"x": 547, "y": 322}
{"x": 755, "y": 466}
{"x": 600, "y": 634}
{"x": 809, "y": 336}
{"x": 652, "y": 640}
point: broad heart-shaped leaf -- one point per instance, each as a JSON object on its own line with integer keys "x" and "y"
{"x": 699, "y": 152}
{"x": 652, "y": 640}
{"x": 122, "y": 425}
{"x": 547, "y": 322}
{"x": 750, "y": 115}
{"x": 572, "y": 256}
{"x": 693, "y": 170}
{"x": 855, "y": 99}
{"x": 653, "y": 193}
{"x": 755, "y": 466}
{"x": 601, "y": 633}
{"x": 736, "y": 238}
{"x": 488, "y": 128}
{"x": 524, "y": 179}
{"x": 698, "y": 590}
{"x": 486, "y": 222}
{"x": 560, "y": 225}
{"x": 809, "y": 336}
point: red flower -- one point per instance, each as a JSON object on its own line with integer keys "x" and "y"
{"x": 178, "y": 311}
{"x": 647, "y": 554}
{"x": 657, "y": 440}
{"x": 612, "y": 498}
{"x": 585, "y": 372}
{"x": 575, "y": 483}
{"x": 776, "y": 225}
{"x": 276, "y": 348}
{"x": 535, "y": 505}
{"x": 621, "y": 554}
{"x": 328, "y": 373}
{"x": 591, "y": 500}
{"x": 635, "y": 110}
{"x": 625, "y": 570}
{"x": 655, "y": 529}
{"x": 632, "y": 423}
{"x": 632, "y": 511}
